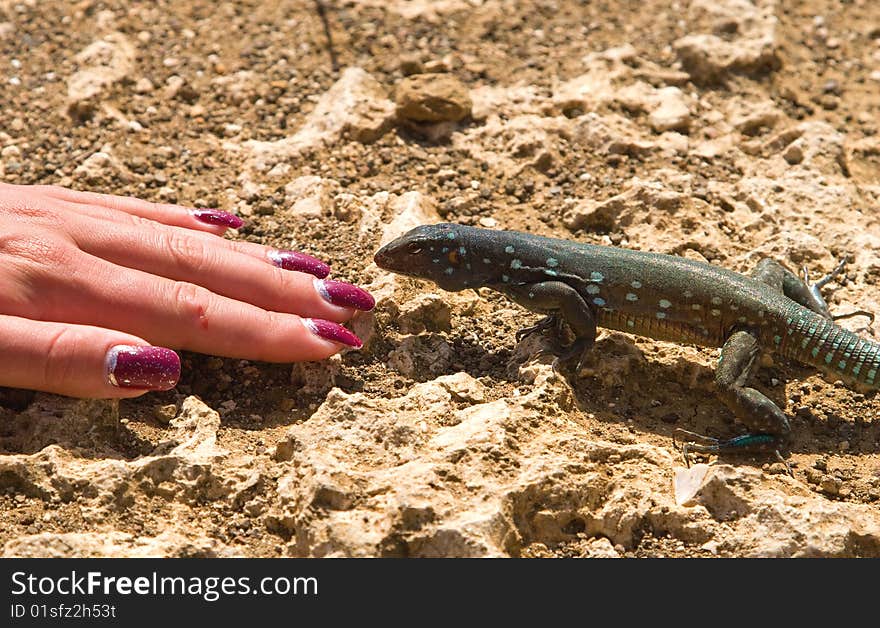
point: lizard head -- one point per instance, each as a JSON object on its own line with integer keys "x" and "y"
{"x": 439, "y": 253}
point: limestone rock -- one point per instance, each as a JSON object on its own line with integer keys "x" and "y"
{"x": 425, "y": 311}
{"x": 751, "y": 118}
{"x": 406, "y": 211}
{"x": 316, "y": 377}
{"x": 432, "y": 11}
{"x": 518, "y": 143}
{"x": 505, "y": 100}
{"x": 708, "y": 57}
{"x": 186, "y": 460}
{"x": 612, "y": 134}
{"x": 414, "y": 354}
{"x": 432, "y": 98}
{"x": 103, "y": 62}
{"x": 356, "y": 107}
{"x": 598, "y": 85}
{"x": 310, "y": 196}
{"x": 613, "y": 212}
{"x": 115, "y": 544}
{"x": 671, "y": 112}
{"x": 102, "y": 167}
{"x": 770, "y": 523}
{"x": 409, "y": 210}
{"x": 863, "y": 158}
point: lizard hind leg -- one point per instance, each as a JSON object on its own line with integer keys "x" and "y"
{"x": 768, "y": 425}
{"x": 778, "y": 277}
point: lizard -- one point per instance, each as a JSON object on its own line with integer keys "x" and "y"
{"x": 583, "y": 286}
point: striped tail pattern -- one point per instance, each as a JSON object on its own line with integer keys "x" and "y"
{"x": 815, "y": 340}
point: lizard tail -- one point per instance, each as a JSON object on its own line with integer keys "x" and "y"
{"x": 815, "y": 340}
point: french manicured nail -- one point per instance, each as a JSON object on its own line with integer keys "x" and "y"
{"x": 291, "y": 260}
{"x": 344, "y": 294}
{"x": 153, "y": 368}
{"x": 218, "y": 217}
{"x": 332, "y": 331}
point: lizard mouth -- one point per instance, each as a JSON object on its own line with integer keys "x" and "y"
{"x": 384, "y": 258}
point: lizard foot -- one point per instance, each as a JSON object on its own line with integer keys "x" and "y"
{"x": 746, "y": 443}
{"x": 816, "y": 287}
{"x": 542, "y": 325}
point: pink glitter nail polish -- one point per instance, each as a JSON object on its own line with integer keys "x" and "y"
{"x": 332, "y": 331}
{"x": 153, "y": 368}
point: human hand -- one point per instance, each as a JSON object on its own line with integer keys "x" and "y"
{"x": 94, "y": 287}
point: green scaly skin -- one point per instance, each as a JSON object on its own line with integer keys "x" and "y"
{"x": 650, "y": 294}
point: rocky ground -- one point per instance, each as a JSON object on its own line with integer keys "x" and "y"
{"x": 718, "y": 130}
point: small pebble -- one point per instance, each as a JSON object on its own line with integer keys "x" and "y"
{"x": 831, "y": 87}
{"x": 165, "y": 413}
{"x": 793, "y": 154}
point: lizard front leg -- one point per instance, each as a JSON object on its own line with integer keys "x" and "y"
{"x": 560, "y": 301}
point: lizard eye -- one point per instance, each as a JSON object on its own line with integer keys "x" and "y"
{"x": 453, "y": 257}
{"x": 414, "y": 248}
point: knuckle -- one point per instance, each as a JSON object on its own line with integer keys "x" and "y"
{"x": 139, "y": 222}
{"x": 245, "y": 248}
{"x": 61, "y": 347}
{"x": 189, "y": 254}
{"x": 193, "y": 303}
{"x": 28, "y": 209}
{"x": 36, "y": 248}
{"x": 30, "y": 263}
{"x": 285, "y": 281}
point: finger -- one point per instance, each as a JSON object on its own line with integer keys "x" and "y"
{"x": 111, "y": 220}
{"x": 82, "y": 361}
{"x": 210, "y": 220}
{"x": 180, "y": 315}
{"x": 179, "y": 255}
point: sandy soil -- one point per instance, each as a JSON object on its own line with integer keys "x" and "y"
{"x": 611, "y": 122}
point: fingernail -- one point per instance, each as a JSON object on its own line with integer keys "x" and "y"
{"x": 292, "y": 260}
{"x": 217, "y": 217}
{"x": 153, "y": 368}
{"x": 332, "y": 331}
{"x": 345, "y": 294}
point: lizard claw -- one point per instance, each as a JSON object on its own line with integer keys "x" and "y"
{"x": 869, "y": 315}
{"x": 821, "y": 283}
{"x": 690, "y": 445}
{"x": 542, "y": 325}
{"x": 827, "y": 278}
